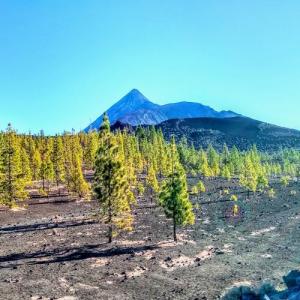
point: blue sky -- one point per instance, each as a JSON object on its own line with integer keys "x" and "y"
{"x": 63, "y": 62}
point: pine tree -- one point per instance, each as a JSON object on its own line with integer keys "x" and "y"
{"x": 285, "y": 180}
{"x": 195, "y": 190}
{"x": 204, "y": 168}
{"x": 174, "y": 195}
{"x": 25, "y": 166}
{"x": 248, "y": 177}
{"x": 127, "y": 149}
{"x": 152, "y": 183}
{"x": 140, "y": 189}
{"x": 236, "y": 161}
{"x": 198, "y": 189}
{"x": 271, "y": 193}
{"x": 36, "y": 163}
{"x": 225, "y": 173}
{"x": 12, "y": 181}
{"x": 90, "y": 150}
{"x": 58, "y": 160}
{"x": 162, "y": 155}
{"x": 213, "y": 161}
{"x": 111, "y": 185}
{"x": 201, "y": 187}
{"x": 46, "y": 168}
{"x": 67, "y": 159}
{"x": 225, "y": 155}
{"x": 235, "y": 207}
{"x": 77, "y": 183}
{"x": 262, "y": 179}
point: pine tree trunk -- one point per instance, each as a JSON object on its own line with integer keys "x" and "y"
{"x": 10, "y": 179}
{"x": 110, "y": 234}
{"x": 174, "y": 230}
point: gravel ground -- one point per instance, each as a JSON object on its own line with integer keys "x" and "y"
{"x": 59, "y": 251}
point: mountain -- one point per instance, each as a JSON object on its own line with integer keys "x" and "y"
{"x": 239, "y": 131}
{"x": 135, "y": 109}
{"x": 132, "y": 102}
{"x": 198, "y": 123}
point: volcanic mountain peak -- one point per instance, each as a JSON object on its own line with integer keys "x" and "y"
{"x": 133, "y": 99}
{"x": 135, "y": 109}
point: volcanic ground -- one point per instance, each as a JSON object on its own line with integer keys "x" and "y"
{"x": 59, "y": 250}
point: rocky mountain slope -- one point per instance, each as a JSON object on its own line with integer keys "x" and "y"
{"x": 237, "y": 131}
{"x": 240, "y": 131}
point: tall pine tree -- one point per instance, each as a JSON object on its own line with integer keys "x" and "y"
{"x": 174, "y": 195}
{"x": 111, "y": 185}
{"x": 12, "y": 179}
{"x": 58, "y": 160}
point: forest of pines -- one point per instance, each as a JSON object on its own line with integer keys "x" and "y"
{"x": 116, "y": 168}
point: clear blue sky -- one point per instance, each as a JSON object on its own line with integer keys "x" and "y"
{"x": 63, "y": 62}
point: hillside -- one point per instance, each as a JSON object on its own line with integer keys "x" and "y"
{"x": 239, "y": 131}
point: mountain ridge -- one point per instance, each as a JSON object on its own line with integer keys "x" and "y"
{"x": 136, "y": 109}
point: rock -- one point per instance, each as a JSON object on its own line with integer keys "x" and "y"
{"x": 292, "y": 279}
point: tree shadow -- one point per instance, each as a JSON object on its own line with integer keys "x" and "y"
{"x": 68, "y": 254}
{"x": 45, "y": 226}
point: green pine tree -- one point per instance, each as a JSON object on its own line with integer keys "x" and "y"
{"x": 36, "y": 163}
{"x": 46, "y": 168}
{"x": 77, "y": 183}
{"x": 248, "y": 177}
{"x": 12, "y": 180}
{"x": 152, "y": 183}
{"x": 58, "y": 160}
{"x": 90, "y": 150}
{"x": 174, "y": 195}
{"x": 25, "y": 166}
{"x": 111, "y": 185}
{"x": 225, "y": 173}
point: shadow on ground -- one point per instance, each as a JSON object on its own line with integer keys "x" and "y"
{"x": 44, "y": 226}
{"x": 68, "y": 254}
{"x": 267, "y": 291}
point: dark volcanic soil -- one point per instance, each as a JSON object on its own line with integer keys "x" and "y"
{"x": 58, "y": 251}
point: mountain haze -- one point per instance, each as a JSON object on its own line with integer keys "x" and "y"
{"x": 135, "y": 109}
